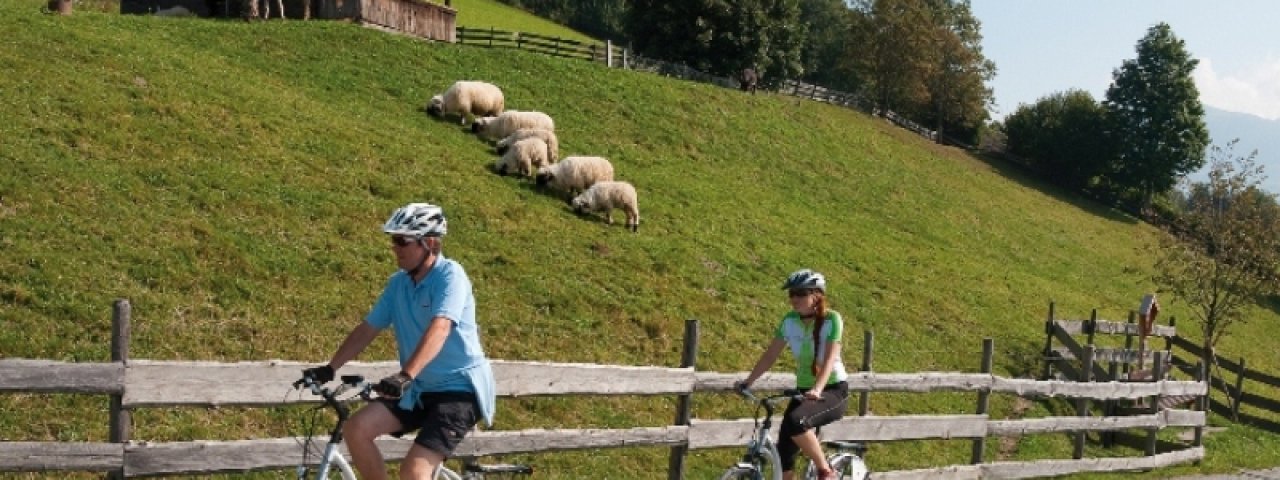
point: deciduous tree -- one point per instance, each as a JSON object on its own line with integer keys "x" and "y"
{"x": 1224, "y": 253}
{"x": 722, "y": 37}
{"x": 1063, "y": 136}
{"x": 1157, "y": 120}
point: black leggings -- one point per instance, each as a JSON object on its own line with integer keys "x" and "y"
{"x": 803, "y": 416}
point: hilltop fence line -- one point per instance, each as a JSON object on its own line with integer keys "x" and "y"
{"x": 137, "y": 384}
{"x": 615, "y": 56}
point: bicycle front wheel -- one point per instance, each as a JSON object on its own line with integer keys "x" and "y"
{"x": 335, "y": 467}
{"x": 764, "y": 465}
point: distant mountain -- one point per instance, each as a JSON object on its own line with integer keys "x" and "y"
{"x": 1255, "y": 133}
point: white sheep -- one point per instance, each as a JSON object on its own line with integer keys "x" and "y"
{"x": 548, "y": 136}
{"x": 522, "y": 157}
{"x": 606, "y": 196}
{"x": 575, "y": 174}
{"x": 501, "y": 126}
{"x": 463, "y": 98}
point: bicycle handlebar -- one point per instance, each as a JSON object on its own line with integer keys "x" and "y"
{"x": 348, "y": 382}
{"x": 790, "y": 393}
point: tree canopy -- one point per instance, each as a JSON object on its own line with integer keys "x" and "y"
{"x": 1155, "y": 116}
{"x": 1063, "y": 137}
{"x": 1224, "y": 253}
{"x": 722, "y": 37}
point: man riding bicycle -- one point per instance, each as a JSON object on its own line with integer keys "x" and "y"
{"x": 445, "y": 383}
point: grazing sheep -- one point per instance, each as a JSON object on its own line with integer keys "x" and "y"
{"x": 747, "y": 80}
{"x": 522, "y": 157}
{"x": 477, "y": 99}
{"x": 606, "y": 196}
{"x": 575, "y": 174}
{"x": 501, "y": 126}
{"x": 548, "y": 136}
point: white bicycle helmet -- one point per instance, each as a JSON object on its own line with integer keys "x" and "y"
{"x": 807, "y": 279}
{"x": 417, "y": 220}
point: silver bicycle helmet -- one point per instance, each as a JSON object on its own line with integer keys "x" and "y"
{"x": 805, "y": 278}
{"x": 417, "y": 220}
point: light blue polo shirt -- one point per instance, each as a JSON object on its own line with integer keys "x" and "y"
{"x": 461, "y": 365}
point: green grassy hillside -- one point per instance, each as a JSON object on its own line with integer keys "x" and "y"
{"x": 230, "y": 179}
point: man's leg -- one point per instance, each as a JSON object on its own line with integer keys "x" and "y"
{"x": 369, "y": 423}
{"x": 420, "y": 463}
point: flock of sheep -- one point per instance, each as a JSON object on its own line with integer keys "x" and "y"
{"x": 528, "y": 147}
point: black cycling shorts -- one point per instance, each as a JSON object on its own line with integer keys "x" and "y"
{"x": 441, "y": 418}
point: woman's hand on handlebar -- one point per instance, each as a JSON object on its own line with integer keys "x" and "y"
{"x": 814, "y": 393}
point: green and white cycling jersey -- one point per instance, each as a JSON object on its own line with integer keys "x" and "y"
{"x": 799, "y": 337}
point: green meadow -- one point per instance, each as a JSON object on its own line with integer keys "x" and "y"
{"x": 230, "y": 180}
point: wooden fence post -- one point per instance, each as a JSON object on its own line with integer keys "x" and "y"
{"x": 688, "y": 358}
{"x": 864, "y": 398}
{"x": 1093, "y": 325}
{"x": 1237, "y": 394}
{"x": 492, "y": 33}
{"x": 1082, "y": 404}
{"x": 121, "y": 419}
{"x": 1113, "y": 369}
{"x": 984, "y": 398}
{"x": 1048, "y": 344}
{"x": 1159, "y": 360}
{"x": 1128, "y": 342}
{"x": 1201, "y": 404}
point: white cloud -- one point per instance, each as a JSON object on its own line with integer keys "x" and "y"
{"x": 1254, "y": 90}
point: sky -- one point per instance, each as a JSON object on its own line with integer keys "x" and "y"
{"x": 1043, "y": 47}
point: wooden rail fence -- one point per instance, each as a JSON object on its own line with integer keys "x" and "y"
{"x": 1067, "y": 358}
{"x": 162, "y": 384}
{"x": 616, "y": 56}
{"x": 605, "y": 53}
{"x": 1237, "y": 394}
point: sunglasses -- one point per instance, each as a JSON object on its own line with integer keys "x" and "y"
{"x": 401, "y": 241}
{"x": 799, "y": 293}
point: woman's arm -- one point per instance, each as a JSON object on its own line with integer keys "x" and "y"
{"x": 767, "y": 359}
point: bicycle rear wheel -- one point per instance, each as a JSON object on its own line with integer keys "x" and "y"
{"x": 443, "y": 473}
{"x": 850, "y": 467}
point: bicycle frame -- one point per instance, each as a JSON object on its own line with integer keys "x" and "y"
{"x": 760, "y": 448}
{"x": 332, "y": 457}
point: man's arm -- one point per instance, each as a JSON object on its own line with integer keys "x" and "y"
{"x": 429, "y": 346}
{"x": 356, "y": 341}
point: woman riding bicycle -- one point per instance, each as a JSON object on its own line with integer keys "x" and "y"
{"x": 813, "y": 331}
